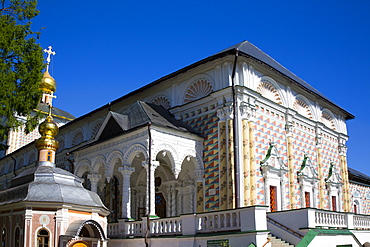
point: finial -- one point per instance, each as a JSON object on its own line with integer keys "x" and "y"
{"x": 50, "y": 107}
{"x": 49, "y": 52}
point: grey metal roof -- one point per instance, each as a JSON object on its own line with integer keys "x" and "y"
{"x": 56, "y": 112}
{"x": 47, "y": 183}
{"x": 250, "y": 50}
{"x": 137, "y": 115}
{"x": 358, "y": 177}
{"x": 141, "y": 113}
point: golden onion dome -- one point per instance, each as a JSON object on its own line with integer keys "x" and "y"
{"x": 48, "y": 129}
{"x": 48, "y": 83}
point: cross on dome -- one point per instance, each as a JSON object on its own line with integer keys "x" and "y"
{"x": 49, "y": 52}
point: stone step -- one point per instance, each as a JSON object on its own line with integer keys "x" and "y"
{"x": 277, "y": 242}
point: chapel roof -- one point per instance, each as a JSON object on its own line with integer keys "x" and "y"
{"x": 47, "y": 183}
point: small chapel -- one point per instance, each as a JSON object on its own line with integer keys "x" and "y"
{"x": 232, "y": 150}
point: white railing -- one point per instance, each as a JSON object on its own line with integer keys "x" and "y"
{"x": 361, "y": 222}
{"x": 113, "y": 230}
{"x": 330, "y": 219}
{"x": 166, "y": 226}
{"x": 134, "y": 228}
{"x": 218, "y": 221}
{"x": 190, "y": 224}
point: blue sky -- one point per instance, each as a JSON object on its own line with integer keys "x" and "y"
{"x": 107, "y": 49}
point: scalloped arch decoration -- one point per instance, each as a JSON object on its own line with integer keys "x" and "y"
{"x": 302, "y": 108}
{"x": 327, "y": 120}
{"x": 78, "y": 138}
{"x": 96, "y": 129}
{"x": 162, "y": 101}
{"x": 268, "y": 90}
{"x": 198, "y": 89}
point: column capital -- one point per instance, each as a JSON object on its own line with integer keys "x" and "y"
{"x": 94, "y": 177}
{"x": 247, "y": 111}
{"x": 126, "y": 170}
{"x": 225, "y": 113}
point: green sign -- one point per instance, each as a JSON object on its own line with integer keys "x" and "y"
{"x": 218, "y": 243}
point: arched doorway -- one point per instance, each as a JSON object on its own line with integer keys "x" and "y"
{"x": 160, "y": 205}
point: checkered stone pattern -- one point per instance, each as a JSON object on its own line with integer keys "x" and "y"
{"x": 208, "y": 125}
{"x": 362, "y": 194}
{"x": 303, "y": 142}
{"x": 329, "y": 154}
{"x": 269, "y": 126}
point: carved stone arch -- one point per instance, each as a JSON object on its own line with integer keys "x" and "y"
{"x": 174, "y": 157}
{"x": 162, "y": 100}
{"x": 82, "y": 167}
{"x": 303, "y": 106}
{"x": 78, "y": 137}
{"x": 95, "y": 164}
{"x": 200, "y": 86}
{"x": 116, "y": 154}
{"x": 198, "y": 164}
{"x": 130, "y": 154}
{"x": 270, "y": 89}
{"x": 327, "y": 118}
{"x": 95, "y": 225}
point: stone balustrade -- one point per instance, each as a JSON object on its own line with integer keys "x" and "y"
{"x": 191, "y": 224}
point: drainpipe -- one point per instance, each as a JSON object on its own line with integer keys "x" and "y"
{"x": 149, "y": 182}
{"x": 235, "y": 133}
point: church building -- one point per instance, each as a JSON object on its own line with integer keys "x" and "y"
{"x": 233, "y": 150}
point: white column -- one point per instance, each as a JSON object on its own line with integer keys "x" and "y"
{"x": 150, "y": 187}
{"x": 94, "y": 179}
{"x": 126, "y": 172}
{"x": 173, "y": 200}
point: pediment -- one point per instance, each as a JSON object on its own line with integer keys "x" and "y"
{"x": 273, "y": 158}
{"x": 114, "y": 124}
{"x": 307, "y": 168}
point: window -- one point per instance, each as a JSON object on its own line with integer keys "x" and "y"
{"x": 43, "y": 238}
{"x": 307, "y": 199}
{"x": 49, "y": 156}
{"x": 355, "y": 208}
{"x": 334, "y": 203}
{"x": 273, "y": 197}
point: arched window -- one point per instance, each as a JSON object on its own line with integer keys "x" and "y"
{"x": 17, "y": 238}
{"x": 3, "y": 238}
{"x": 43, "y": 238}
